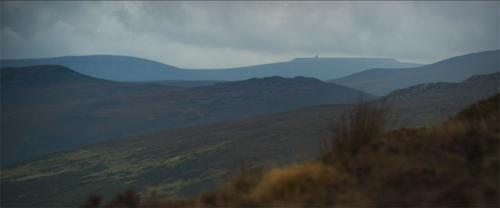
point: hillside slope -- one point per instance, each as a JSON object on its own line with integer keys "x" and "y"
{"x": 454, "y": 164}
{"x": 184, "y": 162}
{"x": 41, "y": 76}
{"x": 382, "y": 81}
{"x": 109, "y": 67}
{"x": 65, "y": 112}
{"x": 125, "y": 68}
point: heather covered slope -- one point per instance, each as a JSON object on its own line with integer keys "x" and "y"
{"x": 184, "y": 162}
{"x": 438, "y": 101}
{"x": 381, "y": 81}
{"x": 125, "y": 68}
{"x": 454, "y": 164}
{"x": 48, "y": 110}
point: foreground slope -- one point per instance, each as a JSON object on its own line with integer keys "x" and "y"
{"x": 381, "y": 81}
{"x": 52, "y": 108}
{"x": 454, "y": 164}
{"x": 125, "y": 68}
{"x": 185, "y": 161}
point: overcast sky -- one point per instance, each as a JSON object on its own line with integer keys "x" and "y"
{"x": 207, "y": 35}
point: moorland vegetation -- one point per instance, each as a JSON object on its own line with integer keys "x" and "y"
{"x": 453, "y": 164}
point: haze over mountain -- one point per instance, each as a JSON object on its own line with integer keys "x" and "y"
{"x": 183, "y": 83}
{"x": 126, "y": 68}
{"x": 185, "y": 161}
{"x": 51, "y": 108}
{"x": 319, "y": 68}
{"x": 382, "y": 81}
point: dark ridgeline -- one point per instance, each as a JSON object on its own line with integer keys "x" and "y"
{"x": 41, "y": 76}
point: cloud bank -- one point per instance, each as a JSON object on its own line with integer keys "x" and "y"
{"x": 208, "y": 35}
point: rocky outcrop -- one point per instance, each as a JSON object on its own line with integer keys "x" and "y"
{"x": 415, "y": 90}
{"x": 431, "y": 88}
{"x": 483, "y": 77}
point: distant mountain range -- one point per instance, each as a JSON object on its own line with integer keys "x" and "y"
{"x": 183, "y": 83}
{"x": 185, "y": 161}
{"x": 125, "y": 68}
{"x": 382, "y": 81}
{"x": 51, "y": 108}
{"x": 319, "y": 68}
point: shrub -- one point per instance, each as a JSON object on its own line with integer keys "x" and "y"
{"x": 364, "y": 122}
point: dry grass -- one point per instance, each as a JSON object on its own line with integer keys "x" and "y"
{"x": 455, "y": 164}
{"x": 364, "y": 122}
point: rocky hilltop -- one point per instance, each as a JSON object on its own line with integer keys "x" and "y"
{"x": 483, "y": 77}
{"x": 416, "y": 90}
{"x": 433, "y": 88}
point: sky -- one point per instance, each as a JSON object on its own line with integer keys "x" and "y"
{"x": 224, "y": 34}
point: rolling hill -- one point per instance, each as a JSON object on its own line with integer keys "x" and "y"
{"x": 116, "y": 68}
{"x": 185, "y": 161}
{"x": 52, "y": 108}
{"x": 319, "y": 68}
{"x": 125, "y": 68}
{"x": 381, "y": 81}
{"x": 183, "y": 83}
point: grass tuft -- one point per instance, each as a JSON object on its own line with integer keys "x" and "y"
{"x": 364, "y": 122}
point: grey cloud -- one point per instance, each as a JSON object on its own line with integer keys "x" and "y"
{"x": 408, "y": 31}
{"x": 28, "y": 18}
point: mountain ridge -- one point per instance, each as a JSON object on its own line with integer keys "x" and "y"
{"x": 58, "y": 75}
{"x": 380, "y": 81}
{"x": 125, "y": 68}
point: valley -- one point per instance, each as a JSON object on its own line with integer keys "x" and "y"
{"x": 185, "y": 161}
